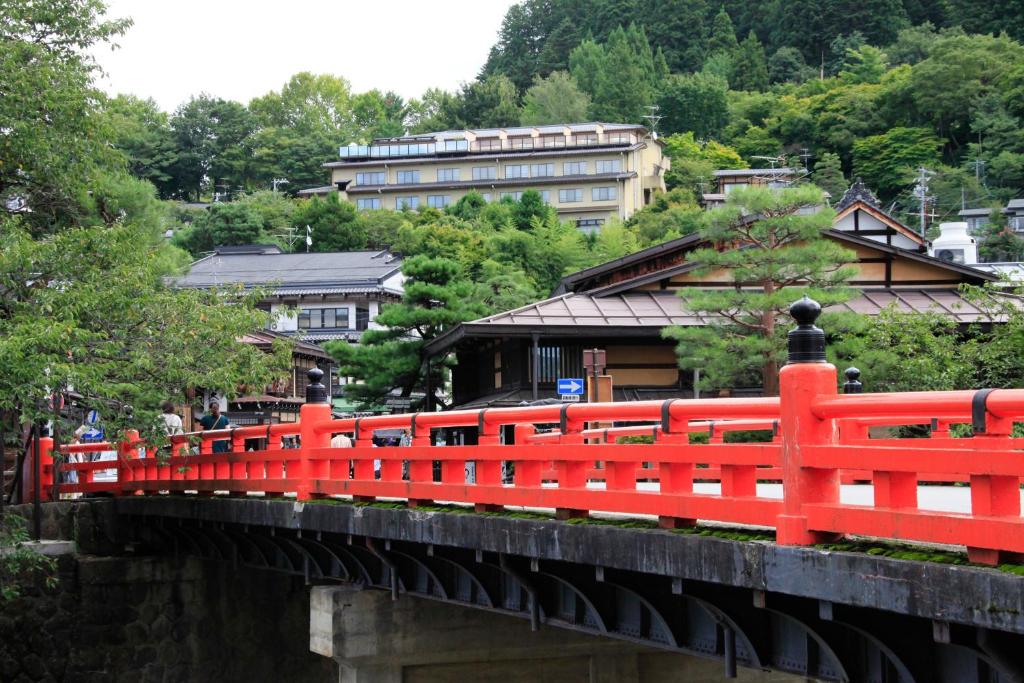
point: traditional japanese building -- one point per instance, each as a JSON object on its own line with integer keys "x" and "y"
{"x": 622, "y": 307}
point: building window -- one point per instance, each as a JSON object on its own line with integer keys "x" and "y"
{"x": 520, "y": 171}
{"x": 609, "y": 166}
{"x": 584, "y": 139}
{"x": 515, "y": 196}
{"x": 552, "y": 141}
{"x": 362, "y": 317}
{"x": 485, "y": 173}
{"x": 569, "y": 196}
{"x": 408, "y": 177}
{"x": 618, "y": 138}
{"x": 520, "y": 143}
{"x": 447, "y": 175}
{"x": 489, "y": 144}
{"x": 604, "y": 194}
{"x": 589, "y": 226}
{"x": 438, "y": 201}
{"x": 456, "y": 145}
{"x": 487, "y": 196}
{"x": 407, "y": 203}
{"x": 323, "y": 318}
{"x": 368, "y": 203}
{"x": 542, "y": 170}
{"x": 574, "y": 168}
{"x": 546, "y": 196}
{"x": 375, "y": 178}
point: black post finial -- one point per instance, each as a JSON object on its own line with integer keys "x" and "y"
{"x": 806, "y": 341}
{"x": 853, "y": 384}
{"x": 316, "y": 392}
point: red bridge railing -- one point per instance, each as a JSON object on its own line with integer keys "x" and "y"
{"x": 814, "y": 438}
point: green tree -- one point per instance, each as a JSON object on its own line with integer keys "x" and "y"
{"x": 776, "y": 254}
{"x": 333, "y": 222}
{"x": 886, "y": 162}
{"x": 678, "y": 27}
{"x": 828, "y": 175}
{"x": 490, "y": 103}
{"x": 51, "y": 141}
{"x": 866, "y": 64}
{"x": 625, "y": 86}
{"x": 141, "y": 131}
{"x": 557, "y": 46}
{"x": 587, "y": 64}
{"x": 308, "y": 103}
{"x": 693, "y": 162}
{"x": 555, "y": 99}
{"x": 113, "y": 326}
{"x": 433, "y": 111}
{"x": 392, "y": 360}
{"x": 787, "y": 65}
{"x": 531, "y": 208}
{"x": 723, "y": 35}
{"x": 898, "y": 351}
{"x": 997, "y": 243}
{"x": 749, "y": 67}
{"x": 229, "y": 223}
{"x": 694, "y": 103}
{"x": 213, "y": 141}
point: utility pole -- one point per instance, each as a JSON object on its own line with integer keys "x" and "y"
{"x": 921, "y": 193}
{"x": 653, "y": 117}
{"x": 805, "y": 156}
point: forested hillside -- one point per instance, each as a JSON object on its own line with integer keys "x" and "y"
{"x": 875, "y": 88}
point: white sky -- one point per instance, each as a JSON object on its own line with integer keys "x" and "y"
{"x": 239, "y": 49}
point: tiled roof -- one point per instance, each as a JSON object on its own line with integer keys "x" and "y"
{"x": 286, "y": 271}
{"x": 739, "y": 172}
{"x": 857, "y": 192}
{"x": 645, "y": 313}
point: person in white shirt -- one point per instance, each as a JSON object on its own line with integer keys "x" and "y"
{"x": 172, "y": 421}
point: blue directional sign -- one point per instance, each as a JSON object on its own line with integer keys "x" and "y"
{"x": 572, "y": 386}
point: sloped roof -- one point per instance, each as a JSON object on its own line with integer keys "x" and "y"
{"x": 293, "y": 271}
{"x": 644, "y": 313}
{"x": 264, "y": 340}
{"x": 858, "y": 192}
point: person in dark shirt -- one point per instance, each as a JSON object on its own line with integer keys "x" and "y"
{"x": 214, "y": 420}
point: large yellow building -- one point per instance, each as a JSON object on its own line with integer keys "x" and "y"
{"x": 590, "y": 172}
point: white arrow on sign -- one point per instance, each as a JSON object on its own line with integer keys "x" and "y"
{"x": 574, "y": 386}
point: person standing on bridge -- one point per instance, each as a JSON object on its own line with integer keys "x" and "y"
{"x": 214, "y": 420}
{"x": 172, "y": 422}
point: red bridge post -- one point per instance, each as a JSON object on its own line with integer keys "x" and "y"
{"x": 806, "y": 376}
{"x": 313, "y": 413}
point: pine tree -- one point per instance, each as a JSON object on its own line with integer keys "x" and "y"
{"x": 392, "y": 359}
{"x": 750, "y": 67}
{"x": 723, "y": 34}
{"x": 555, "y": 54}
{"x": 770, "y": 255}
{"x": 587, "y": 65}
{"x": 625, "y": 88}
{"x": 828, "y": 175}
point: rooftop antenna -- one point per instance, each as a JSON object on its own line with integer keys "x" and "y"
{"x": 652, "y": 118}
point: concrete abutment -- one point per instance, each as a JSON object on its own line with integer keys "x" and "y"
{"x": 375, "y": 639}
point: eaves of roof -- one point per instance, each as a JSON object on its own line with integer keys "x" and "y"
{"x": 566, "y": 282}
{"x": 489, "y": 154}
{"x": 497, "y": 182}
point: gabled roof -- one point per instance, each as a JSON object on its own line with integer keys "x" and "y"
{"x": 881, "y": 215}
{"x": 294, "y": 271}
{"x": 584, "y": 280}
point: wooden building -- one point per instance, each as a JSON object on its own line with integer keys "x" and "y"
{"x": 623, "y": 305}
